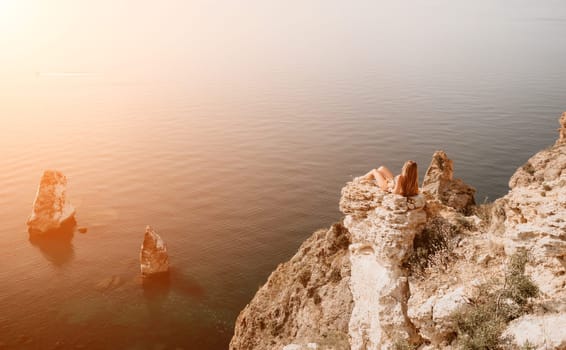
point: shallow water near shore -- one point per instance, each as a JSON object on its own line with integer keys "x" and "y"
{"x": 235, "y": 165}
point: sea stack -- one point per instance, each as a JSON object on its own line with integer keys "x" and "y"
{"x": 153, "y": 256}
{"x": 51, "y": 208}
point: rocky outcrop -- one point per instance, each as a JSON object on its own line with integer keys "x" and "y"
{"x": 532, "y": 217}
{"x": 439, "y": 183}
{"x": 319, "y": 299}
{"x": 360, "y": 197}
{"x": 381, "y": 241}
{"x": 433, "y": 316}
{"x": 352, "y": 287}
{"x": 51, "y": 207}
{"x": 153, "y": 256}
{"x": 539, "y": 332}
{"x": 305, "y": 303}
{"x": 562, "y": 130}
{"x": 544, "y": 168}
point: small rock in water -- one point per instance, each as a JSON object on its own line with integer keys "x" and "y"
{"x": 25, "y": 339}
{"x": 51, "y": 208}
{"x": 109, "y": 283}
{"x": 153, "y": 256}
{"x": 82, "y": 229}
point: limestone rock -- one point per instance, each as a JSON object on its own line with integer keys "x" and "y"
{"x": 153, "y": 256}
{"x": 440, "y": 183}
{"x": 360, "y": 196}
{"x": 562, "y": 129}
{"x": 433, "y": 317}
{"x": 51, "y": 208}
{"x": 348, "y": 287}
{"x": 544, "y": 167}
{"x": 305, "y": 303}
{"x": 382, "y": 238}
{"x": 540, "y": 331}
{"x": 532, "y": 217}
{"x": 309, "y": 346}
{"x": 448, "y": 303}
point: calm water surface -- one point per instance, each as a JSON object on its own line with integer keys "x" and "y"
{"x": 236, "y": 165}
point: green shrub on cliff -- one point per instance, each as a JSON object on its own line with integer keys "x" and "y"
{"x": 518, "y": 286}
{"x": 403, "y": 345}
{"x": 479, "y": 326}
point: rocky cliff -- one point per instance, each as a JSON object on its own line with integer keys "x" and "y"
{"x": 305, "y": 301}
{"x": 430, "y": 271}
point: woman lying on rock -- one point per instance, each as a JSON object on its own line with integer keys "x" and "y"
{"x": 406, "y": 184}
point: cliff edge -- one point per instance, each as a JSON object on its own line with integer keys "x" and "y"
{"x": 305, "y": 300}
{"x": 434, "y": 271}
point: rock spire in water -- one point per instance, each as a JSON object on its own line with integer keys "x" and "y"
{"x": 51, "y": 208}
{"x": 153, "y": 256}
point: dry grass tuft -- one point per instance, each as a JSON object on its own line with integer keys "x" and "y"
{"x": 433, "y": 249}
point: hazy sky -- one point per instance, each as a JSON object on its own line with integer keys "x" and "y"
{"x": 186, "y": 36}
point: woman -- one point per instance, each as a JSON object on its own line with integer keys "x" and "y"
{"x": 406, "y": 184}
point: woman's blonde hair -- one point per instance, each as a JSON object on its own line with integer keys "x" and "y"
{"x": 410, "y": 185}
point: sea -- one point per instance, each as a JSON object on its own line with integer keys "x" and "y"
{"x": 230, "y": 128}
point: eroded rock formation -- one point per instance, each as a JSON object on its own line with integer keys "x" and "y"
{"x": 305, "y": 301}
{"x": 357, "y": 294}
{"x": 562, "y": 130}
{"x": 532, "y": 217}
{"x": 381, "y": 242}
{"x": 540, "y": 331}
{"x": 439, "y": 182}
{"x": 51, "y": 207}
{"x": 153, "y": 256}
{"x": 433, "y": 316}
